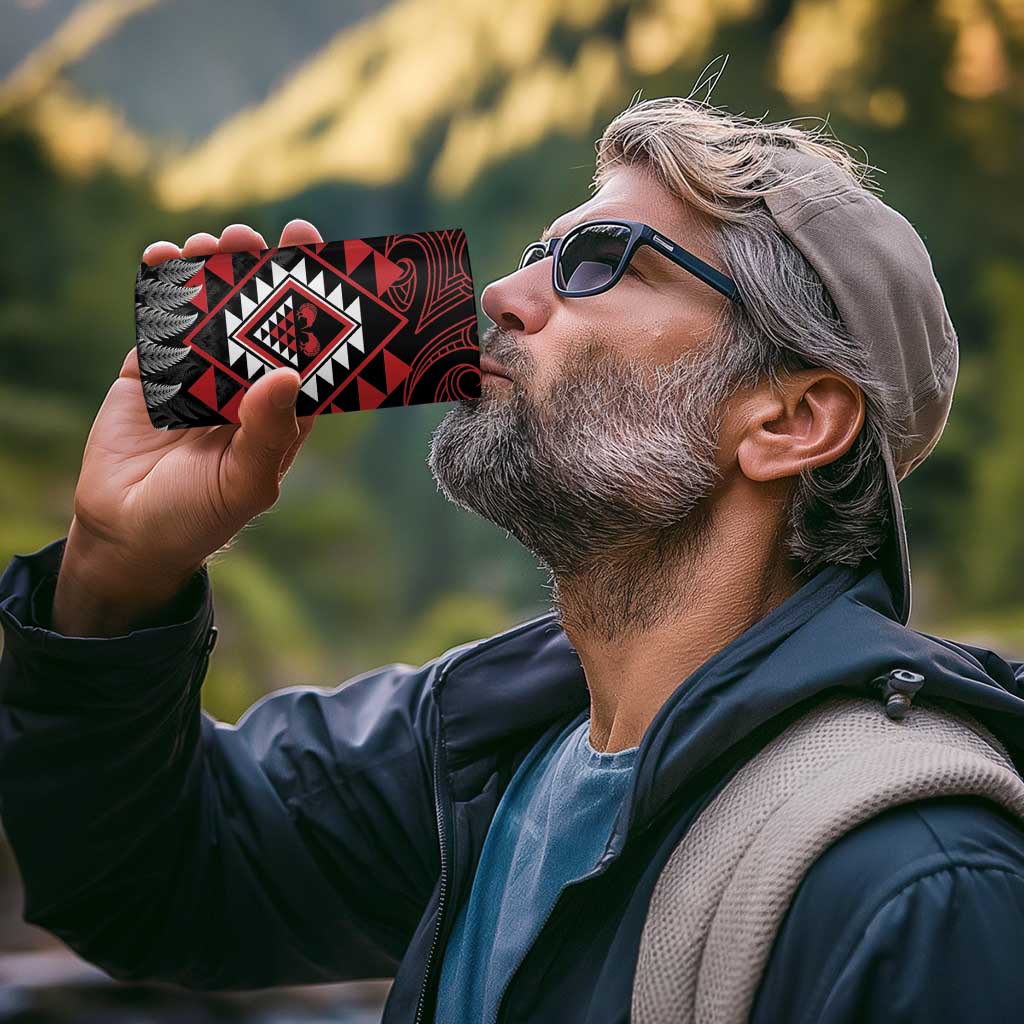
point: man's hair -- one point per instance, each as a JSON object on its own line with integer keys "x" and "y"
{"x": 721, "y": 165}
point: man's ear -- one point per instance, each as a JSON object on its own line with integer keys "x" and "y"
{"x": 811, "y": 420}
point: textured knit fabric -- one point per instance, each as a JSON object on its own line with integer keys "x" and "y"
{"x": 723, "y": 893}
{"x": 550, "y": 828}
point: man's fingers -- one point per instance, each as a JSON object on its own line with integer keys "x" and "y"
{"x": 266, "y": 433}
{"x": 299, "y": 232}
{"x": 234, "y": 238}
{"x": 158, "y": 252}
{"x": 202, "y": 243}
{"x": 241, "y": 238}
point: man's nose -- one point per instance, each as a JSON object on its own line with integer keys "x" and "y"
{"x": 520, "y": 301}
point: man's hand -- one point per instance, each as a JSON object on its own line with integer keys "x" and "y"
{"x": 151, "y": 505}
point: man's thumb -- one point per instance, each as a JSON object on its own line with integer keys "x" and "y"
{"x": 285, "y": 388}
{"x": 268, "y": 430}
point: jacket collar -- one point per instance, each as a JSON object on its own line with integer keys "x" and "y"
{"x": 840, "y": 630}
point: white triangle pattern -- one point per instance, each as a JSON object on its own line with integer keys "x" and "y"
{"x": 253, "y": 364}
{"x": 300, "y": 273}
{"x": 336, "y": 298}
{"x": 325, "y": 372}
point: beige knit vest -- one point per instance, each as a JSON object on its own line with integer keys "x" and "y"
{"x": 723, "y": 892}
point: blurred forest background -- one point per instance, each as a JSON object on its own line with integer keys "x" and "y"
{"x": 127, "y": 121}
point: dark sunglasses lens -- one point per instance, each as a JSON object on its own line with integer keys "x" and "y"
{"x": 531, "y": 254}
{"x": 591, "y": 255}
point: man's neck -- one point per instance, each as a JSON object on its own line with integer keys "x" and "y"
{"x": 671, "y": 617}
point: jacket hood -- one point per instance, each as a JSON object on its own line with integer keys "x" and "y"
{"x": 836, "y": 633}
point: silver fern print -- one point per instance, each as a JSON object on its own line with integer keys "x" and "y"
{"x": 155, "y": 358}
{"x": 161, "y": 295}
{"x": 177, "y": 271}
{"x": 153, "y": 325}
{"x": 156, "y": 394}
{"x": 156, "y": 300}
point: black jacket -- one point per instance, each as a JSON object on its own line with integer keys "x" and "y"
{"x": 332, "y": 833}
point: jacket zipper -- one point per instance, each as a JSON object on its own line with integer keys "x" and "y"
{"x": 439, "y": 807}
{"x": 443, "y": 885}
{"x": 599, "y": 869}
{"x": 204, "y": 663}
{"x": 593, "y": 873}
{"x": 508, "y": 981}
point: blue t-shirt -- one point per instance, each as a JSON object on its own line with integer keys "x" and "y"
{"x": 550, "y": 827}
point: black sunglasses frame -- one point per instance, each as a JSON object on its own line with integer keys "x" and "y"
{"x": 639, "y": 234}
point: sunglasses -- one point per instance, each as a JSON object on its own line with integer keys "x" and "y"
{"x": 594, "y": 255}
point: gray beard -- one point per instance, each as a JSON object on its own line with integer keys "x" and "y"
{"x": 605, "y": 479}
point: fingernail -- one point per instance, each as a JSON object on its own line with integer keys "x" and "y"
{"x": 284, "y": 395}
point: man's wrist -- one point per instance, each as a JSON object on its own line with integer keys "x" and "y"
{"x": 100, "y": 593}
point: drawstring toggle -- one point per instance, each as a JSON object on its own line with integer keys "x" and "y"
{"x": 899, "y": 687}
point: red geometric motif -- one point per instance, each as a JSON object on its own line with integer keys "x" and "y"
{"x": 366, "y": 323}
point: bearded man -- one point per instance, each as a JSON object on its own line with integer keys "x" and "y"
{"x": 702, "y": 388}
